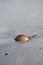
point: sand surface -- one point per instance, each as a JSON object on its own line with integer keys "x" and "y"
{"x": 21, "y": 17}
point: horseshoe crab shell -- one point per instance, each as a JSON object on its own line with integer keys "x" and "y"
{"x": 22, "y": 38}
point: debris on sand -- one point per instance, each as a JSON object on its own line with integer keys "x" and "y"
{"x": 6, "y": 53}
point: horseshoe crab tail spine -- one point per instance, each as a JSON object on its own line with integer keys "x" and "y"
{"x": 33, "y": 36}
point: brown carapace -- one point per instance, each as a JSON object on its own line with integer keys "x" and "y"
{"x": 23, "y": 38}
